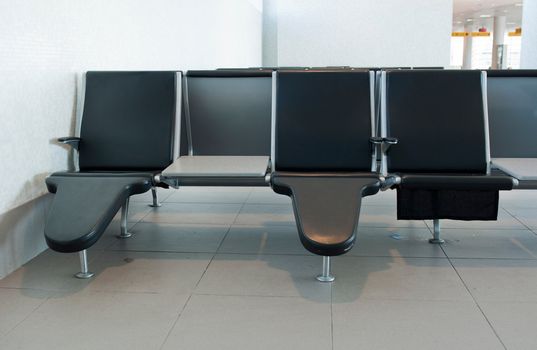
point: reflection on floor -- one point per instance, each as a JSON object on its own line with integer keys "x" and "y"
{"x": 222, "y": 268}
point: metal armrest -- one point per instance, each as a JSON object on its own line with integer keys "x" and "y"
{"x": 387, "y": 142}
{"x": 71, "y": 141}
{"x": 375, "y": 142}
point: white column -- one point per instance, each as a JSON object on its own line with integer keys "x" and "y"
{"x": 499, "y": 52}
{"x": 467, "y": 53}
{"x": 528, "y": 59}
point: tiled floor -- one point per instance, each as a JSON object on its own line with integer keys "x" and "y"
{"x": 223, "y": 268}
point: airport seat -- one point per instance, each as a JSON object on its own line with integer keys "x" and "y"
{"x": 127, "y": 136}
{"x": 322, "y": 154}
{"x": 442, "y": 158}
{"x": 227, "y": 129}
{"x": 512, "y": 110}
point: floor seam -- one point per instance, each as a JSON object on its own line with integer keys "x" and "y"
{"x": 25, "y": 318}
{"x": 332, "y": 315}
{"x": 521, "y": 222}
{"x": 477, "y": 304}
{"x": 212, "y": 258}
{"x": 175, "y": 322}
{"x": 469, "y": 292}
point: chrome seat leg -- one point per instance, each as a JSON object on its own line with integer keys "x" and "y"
{"x": 124, "y": 233}
{"x": 155, "y": 203}
{"x": 326, "y": 276}
{"x": 84, "y": 272}
{"x": 436, "y": 234}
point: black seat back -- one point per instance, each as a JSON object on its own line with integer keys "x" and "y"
{"x": 512, "y": 102}
{"x": 440, "y": 121}
{"x": 323, "y": 120}
{"x": 128, "y": 121}
{"x": 228, "y": 112}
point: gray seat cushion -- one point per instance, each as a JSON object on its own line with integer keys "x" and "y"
{"x": 84, "y": 205}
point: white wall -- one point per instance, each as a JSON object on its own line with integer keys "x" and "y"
{"x": 45, "y": 44}
{"x": 359, "y": 33}
{"x": 528, "y": 54}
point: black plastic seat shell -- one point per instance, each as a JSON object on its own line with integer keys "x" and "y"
{"x": 89, "y": 201}
{"x": 326, "y": 207}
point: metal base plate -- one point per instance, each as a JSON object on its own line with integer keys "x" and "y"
{"x": 436, "y": 241}
{"x": 84, "y": 275}
{"x": 155, "y": 205}
{"x": 124, "y": 235}
{"x": 325, "y": 279}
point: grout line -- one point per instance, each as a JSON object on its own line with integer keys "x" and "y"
{"x": 517, "y": 219}
{"x": 25, "y": 318}
{"x": 212, "y": 258}
{"x": 236, "y": 217}
{"x": 250, "y": 295}
{"x": 193, "y": 289}
{"x": 175, "y": 322}
{"x": 441, "y": 245}
{"x": 476, "y": 303}
{"x": 332, "y": 315}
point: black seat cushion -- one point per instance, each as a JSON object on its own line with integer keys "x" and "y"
{"x": 512, "y": 106}
{"x": 439, "y": 119}
{"x": 326, "y": 206}
{"x": 323, "y": 121}
{"x": 229, "y": 112}
{"x": 128, "y": 121}
{"x": 452, "y": 196}
{"x": 431, "y": 204}
{"x": 84, "y": 205}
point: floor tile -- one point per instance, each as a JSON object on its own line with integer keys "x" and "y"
{"x": 412, "y": 325}
{"x": 137, "y": 211}
{"x": 231, "y": 195}
{"x": 385, "y": 216}
{"x": 505, "y": 222}
{"x": 173, "y": 238}
{"x": 264, "y": 275}
{"x": 527, "y": 216}
{"x": 382, "y": 198}
{"x": 147, "y": 197}
{"x": 266, "y": 214}
{"x": 194, "y": 213}
{"x": 230, "y": 322}
{"x": 514, "y": 323}
{"x": 265, "y": 195}
{"x": 396, "y": 242}
{"x": 51, "y": 271}
{"x": 92, "y": 320}
{"x": 396, "y": 278}
{"x": 16, "y": 305}
{"x": 489, "y": 243}
{"x": 147, "y": 272}
{"x": 518, "y": 199}
{"x": 270, "y": 239}
{"x": 499, "y": 280}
